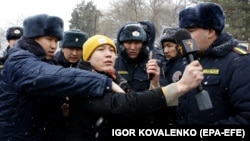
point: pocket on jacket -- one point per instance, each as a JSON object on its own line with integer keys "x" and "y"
{"x": 211, "y": 80}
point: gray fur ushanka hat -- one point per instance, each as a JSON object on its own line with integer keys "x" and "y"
{"x": 43, "y": 25}
{"x": 206, "y": 15}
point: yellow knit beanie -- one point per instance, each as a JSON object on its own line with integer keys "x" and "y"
{"x": 93, "y": 42}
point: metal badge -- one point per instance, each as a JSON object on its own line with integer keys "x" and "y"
{"x": 136, "y": 33}
{"x": 17, "y": 31}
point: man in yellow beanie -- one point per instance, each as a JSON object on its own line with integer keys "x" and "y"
{"x": 91, "y": 46}
{"x": 92, "y": 118}
{"x": 94, "y": 42}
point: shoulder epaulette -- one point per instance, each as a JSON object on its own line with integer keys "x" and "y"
{"x": 240, "y": 50}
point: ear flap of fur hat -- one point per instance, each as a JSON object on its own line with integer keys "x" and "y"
{"x": 43, "y": 25}
{"x": 74, "y": 38}
{"x": 211, "y": 15}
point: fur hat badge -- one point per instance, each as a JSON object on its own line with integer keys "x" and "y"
{"x": 206, "y": 15}
{"x": 43, "y": 25}
{"x": 93, "y": 42}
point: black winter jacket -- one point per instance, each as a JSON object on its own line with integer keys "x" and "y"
{"x": 226, "y": 70}
{"x": 92, "y": 119}
{"x": 59, "y": 59}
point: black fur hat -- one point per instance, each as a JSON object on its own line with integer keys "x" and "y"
{"x": 206, "y": 15}
{"x": 43, "y": 25}
{"x": 168, "y": 34}
{"x": 133, "y": 32}
{"x": 14, "y": 32}
{"x": 74, "y": 38}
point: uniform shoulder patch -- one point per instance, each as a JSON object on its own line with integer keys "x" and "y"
{"x": 240, "y": 50}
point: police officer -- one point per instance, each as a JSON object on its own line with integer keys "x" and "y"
{"x": 225, "y": 67}
{"x": 132, "y": 63}
{"x": 71, "y": 48}
{"x": 12, "y": 35}
{"x": 133, "y": 57}
{"x": 174, "y": 62}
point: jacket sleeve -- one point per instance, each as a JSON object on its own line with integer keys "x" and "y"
{"x": 28, "y": 74}
{"x": 134, "y": 103}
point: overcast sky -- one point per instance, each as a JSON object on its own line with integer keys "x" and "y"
{"x": 12, "y": 11}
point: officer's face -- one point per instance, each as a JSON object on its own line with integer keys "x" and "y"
{"x": 202, "y": 37}
{"x": 133, "y": 48}
{"x": 72, "y": 54}
{"x": 49, "y": 45}
{"x": 169, "y": 50}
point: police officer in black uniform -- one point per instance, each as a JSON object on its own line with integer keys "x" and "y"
{"x": 225, "y": 67}
{"x": 12, "y": 35}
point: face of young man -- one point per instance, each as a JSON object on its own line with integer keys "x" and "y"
{"x": 72, "y": 54}
{"x": 103, "y": 58}
{"x": 169, "y": 49}
{"x": 49, "y": 45}
{"x": 133, "y": 48}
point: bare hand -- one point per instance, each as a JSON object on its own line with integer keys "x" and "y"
{"x": 191, "y": 78}
{"x": 154, "y": 72}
